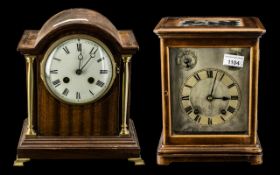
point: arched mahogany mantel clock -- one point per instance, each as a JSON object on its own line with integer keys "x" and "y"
{"x": 78, "y": 90}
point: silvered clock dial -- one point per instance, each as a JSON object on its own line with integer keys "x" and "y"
{"x": 209, "y": 96}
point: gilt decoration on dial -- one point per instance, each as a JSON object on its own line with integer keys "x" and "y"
{"x": 78, "y": 69}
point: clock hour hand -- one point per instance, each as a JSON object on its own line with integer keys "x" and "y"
{"x": 221, "y": 98}
{"x": 80, "y": 58}
{"x": 211, "y": 98}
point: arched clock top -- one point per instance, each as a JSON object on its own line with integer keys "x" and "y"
{"x": 81, "y": 21}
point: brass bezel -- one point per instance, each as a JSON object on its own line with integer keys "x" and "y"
{"x": 68, "y": 37}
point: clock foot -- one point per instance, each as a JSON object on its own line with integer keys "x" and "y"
{"x": 138, "y": 161}
{"x": 256, "y": 160}
{"x": 163, "y": 161}
{"x": 19, "y": 162}
{"x": 124, "y": 132}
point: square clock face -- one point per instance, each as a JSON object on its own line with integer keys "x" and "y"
{"x": 209, "y": 90}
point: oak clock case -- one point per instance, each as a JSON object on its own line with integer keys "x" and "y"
{"x": 78, "y": 89}
{"x": 209, "y": 89}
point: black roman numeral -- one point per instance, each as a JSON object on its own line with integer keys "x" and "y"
{"x": 209, "y": 121}
{"x": 231, "y": 109}
{"x": 79, "y": 47}
{"x": 196, "y": 76}
{"x": 57, "y": 59}
{"x": 100, "y": 59}
{"x": 91, "y": 92}
{"x": 56, "y": 83}
{"x": 188, "y": 109}
{"x": 78, "y": 95}
{"x": 209, "y": 73}
{"x": 234, "y": 97}
{"x": 103, "y": 72}
{"x": 93, "y": 50}
{"x": 197, "y": 118}
{"x": 65, "y": 92}
{"x": 66, "y": 50}
{"x": 231, "y": 85}
{"x": 186, "y": 98}
{"x": 54, "y": 71}
{"x": 100, "y": 83}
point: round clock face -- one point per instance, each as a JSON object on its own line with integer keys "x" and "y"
{"x": 210, "y": 97}
{"x": 78, "y": 69}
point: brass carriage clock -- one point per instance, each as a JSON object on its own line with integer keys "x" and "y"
{"x": 210, "y": 69}
{"x": 78, "y": 81}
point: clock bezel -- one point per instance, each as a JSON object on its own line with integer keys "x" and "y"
{"x": 73, "y": 36}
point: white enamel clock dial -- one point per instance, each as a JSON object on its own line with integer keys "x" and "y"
{"x": 78, "y": 69}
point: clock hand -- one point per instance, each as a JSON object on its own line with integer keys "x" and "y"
{"x": 92, "y": 55}
{"x": 222, "y": 98}
{"x": 86, "y": 62}
{"x": 214, "y": 83}
{"x": 80, "y": 58}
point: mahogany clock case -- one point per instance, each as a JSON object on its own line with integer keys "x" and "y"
{"x": 60, "y": 130}
{"x": 145, "y": 85}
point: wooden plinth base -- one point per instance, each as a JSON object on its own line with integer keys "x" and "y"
{"x": 167, "y": 154}
{"x": 78, "y": 147}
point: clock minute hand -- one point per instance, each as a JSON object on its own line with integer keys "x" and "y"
{"x": 92, "y": 55}
{"x": 86, "y": 63}
{"x": 214, "y": 83}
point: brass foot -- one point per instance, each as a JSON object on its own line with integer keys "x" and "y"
{"x": 138, "y": 161}
{"x": 30, "y": 132}
{"x": 124, "y": 132}
{"x": 19, "y": 162}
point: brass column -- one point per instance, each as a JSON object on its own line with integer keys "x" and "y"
{"x": 30, "y": 91}
{"x": 125, "y": 82}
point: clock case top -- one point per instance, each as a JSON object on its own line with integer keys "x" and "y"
{"x": 58, "y": 118}
{"x": 209, "y": 32}
{"x": 216, "y": 27}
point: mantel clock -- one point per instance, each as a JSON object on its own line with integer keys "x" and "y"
{"x": 78, "y": 90}
{"x": 209, "y": 72}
